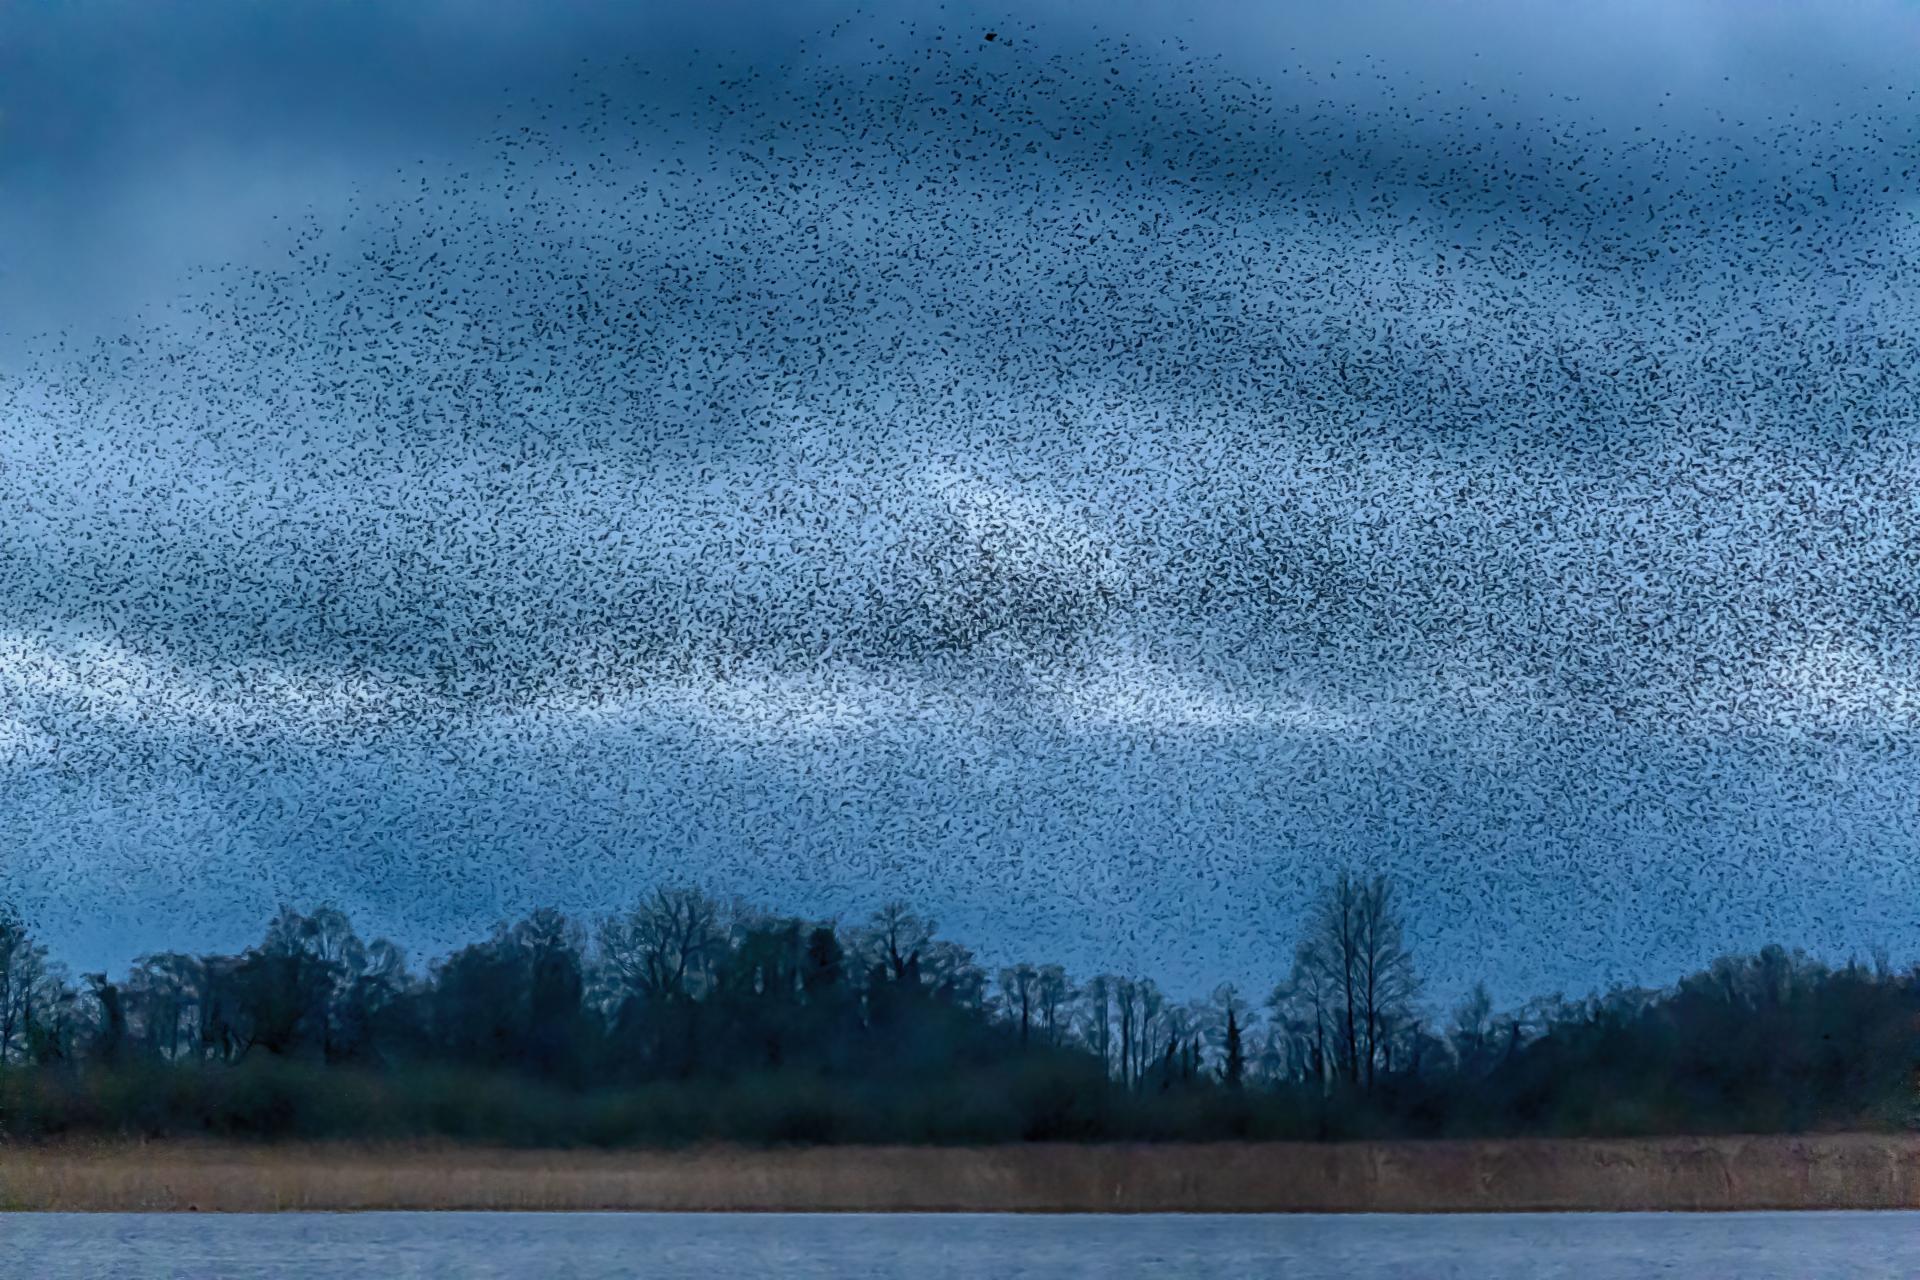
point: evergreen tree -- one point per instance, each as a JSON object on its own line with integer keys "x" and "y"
{"x": 1235, "y": 1069}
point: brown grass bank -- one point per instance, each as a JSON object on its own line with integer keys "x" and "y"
{"x": 1823, "y": 1172}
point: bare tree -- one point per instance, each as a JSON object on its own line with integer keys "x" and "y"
{"x": 1386, "y": 972}
{"x": 1123, "y": 1001}
{"x": 22, "y": 965}
{"x": 1472, "y": 1033}
{"x": 34, "y": 993}
{"x": 336, "y": 961}
{"x": 1053, "y": 990}
{"x": 1096, "y": 1017}
{"x": 1142, "y": 1009}
{"x": 163, "y": 993}
{"x": 663, "y": 950}
{"x": 1019, "y": 988}
{"x": 897, "y": 941}
{"x": 955, "y": 978}
{"x": 1305, "y": 1017}
{"x": 219, "y": 1032}
{"x": 1356, "y": 940}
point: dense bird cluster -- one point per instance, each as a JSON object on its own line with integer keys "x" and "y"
{"x": 1076, "y": 487}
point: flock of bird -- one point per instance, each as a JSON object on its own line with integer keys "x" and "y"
{"x": 1076, "y": 488}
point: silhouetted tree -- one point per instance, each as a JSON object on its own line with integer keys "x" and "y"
{"x": 663, "y": 950}
{"x": 111, "y": 1037}
{"x": 1053, "y": 992}
{"x": 1096, "y": 1020}
{"x": 556, "y": 1030}
{"x": 767, "y": 1025}
{"x": 516, "y": 1000}
{"x": 1304, "y": 1011}
{"x": 1234, "y": 1070}
{"x": 894, "y": 941}
{"x": 1019, "y": 988}
{"x": 1473, "y": 1034}
{"x": 825, "y": 970}
{"x": 1356, "y": 936}
{"x": 25, "y": 976}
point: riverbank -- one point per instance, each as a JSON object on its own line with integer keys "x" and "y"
{"x": 1841, "y": 1171}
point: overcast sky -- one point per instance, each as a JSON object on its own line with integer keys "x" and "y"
{"x": 1090, "y": 483}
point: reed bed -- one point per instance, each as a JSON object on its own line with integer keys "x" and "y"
{"x": 1841, "y": 1171}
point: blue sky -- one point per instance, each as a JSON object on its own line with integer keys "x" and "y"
{"x": 1091, "y": 483}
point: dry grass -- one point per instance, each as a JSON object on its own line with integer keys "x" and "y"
{"x": 1832, "y": 1171}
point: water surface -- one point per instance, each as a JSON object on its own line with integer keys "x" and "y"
{"x": 302, "y": 1246}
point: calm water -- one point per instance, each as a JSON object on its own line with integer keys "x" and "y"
{"x": 53, "y": 1246}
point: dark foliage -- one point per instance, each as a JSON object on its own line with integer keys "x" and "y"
{"x": 687, "y": 1019}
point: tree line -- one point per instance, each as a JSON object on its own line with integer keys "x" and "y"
{"x": 687, "y": 1017}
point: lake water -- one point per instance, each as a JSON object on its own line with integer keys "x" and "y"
{"x": 301, "y": 1246}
